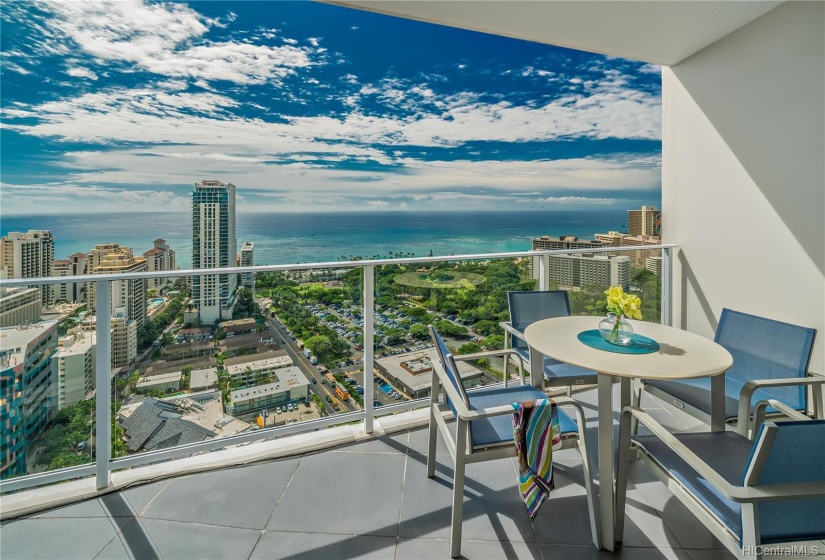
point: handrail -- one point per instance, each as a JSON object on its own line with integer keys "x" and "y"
{"x": 104, "y": 464}
{"x": 314, "y": 266}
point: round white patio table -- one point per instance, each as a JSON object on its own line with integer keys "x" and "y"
{"x": 681, "y": 355}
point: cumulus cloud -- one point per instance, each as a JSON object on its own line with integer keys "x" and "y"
{"x": 205, "y": 99}
{"x": 74, "y": 198}
{"x": 163, "y": 38}
{"x": 79, "y": 72}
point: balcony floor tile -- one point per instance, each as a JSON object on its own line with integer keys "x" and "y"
{"x": 313, "y": 546}
{"x": 238, "y": 497}
{"x": 151, "y": 539}
{"x": 47, "y": 538}
{"x": 348, "y": 493}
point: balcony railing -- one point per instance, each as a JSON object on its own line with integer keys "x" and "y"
{"x": 104, "y": 463}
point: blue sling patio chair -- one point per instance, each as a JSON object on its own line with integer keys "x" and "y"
{"x": 483, "y": 429}
{"x": 770, "y": 363}
{"x": 525, "y": 309}
{"x": 748, "y": 493}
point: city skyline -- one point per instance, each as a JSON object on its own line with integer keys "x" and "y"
{"x": 309, "y": 106}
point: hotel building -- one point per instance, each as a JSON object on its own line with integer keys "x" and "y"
{"x": 576, "y": 271}
{"x": 547, "y": 243}
{"x": 647, "y": 221}
{"x": 29, "y": 255}
{"x": 28, "y": 390}
{"x": 19, "y": 306}
{"x": 213, "y": 246}
{"x": 128, "y": 296}
{"x": 76, "y": 292}
{"x": 159, "y": 258}
{"x": 247, "y": 259}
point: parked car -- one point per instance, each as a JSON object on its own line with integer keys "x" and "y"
{"x": 314, "y": 381}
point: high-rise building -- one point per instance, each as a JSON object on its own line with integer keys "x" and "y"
{"x": 213, "y": 246}
{"x": 638, "y": 257}
{"x": 128, "y": 306}
{"x": 647, "y": 221}
{"x": 29, "y": 255}
{"x": 128, "y": 296}
{"x": 19, "y": 306}
{"x": 247, "y": 259}
{"x": 576, "y": 271}
{"x": 547, "y": 243}
{"x": 159, "y": 258}
{"x": 75, "y": 365}
{"x": 76, "y": 292}
{"x": 28, "y": 390}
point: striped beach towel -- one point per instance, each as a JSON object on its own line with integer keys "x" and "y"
{"x": 537, "y": 432}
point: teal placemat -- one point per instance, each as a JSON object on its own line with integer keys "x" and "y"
{"x": 638, "y": 345}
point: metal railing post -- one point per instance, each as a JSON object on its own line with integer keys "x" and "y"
{"x": 667, "y": 291}
{"x": 369, "y": 346}
{"x": 544, "y": 273}
{"x": 103, "y": 383}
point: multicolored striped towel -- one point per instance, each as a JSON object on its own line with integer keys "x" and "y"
{"x": 537, "y": 432}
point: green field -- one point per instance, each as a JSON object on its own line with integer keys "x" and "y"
{"x": 440, "y": 280}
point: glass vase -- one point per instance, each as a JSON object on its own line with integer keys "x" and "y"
{"x": 616, "y": 330}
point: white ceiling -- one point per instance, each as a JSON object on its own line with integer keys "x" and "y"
{"x": 661, "y": 32}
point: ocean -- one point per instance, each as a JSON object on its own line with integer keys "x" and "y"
{"x": 318, "y": 237}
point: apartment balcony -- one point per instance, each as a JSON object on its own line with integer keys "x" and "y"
{"x": 345, "y": 485}
{"x": 361, "y": 497}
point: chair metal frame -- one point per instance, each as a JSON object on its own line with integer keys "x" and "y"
{"x": 745, "y": 422}
{"x": 749, "y": 495}
{"x": 511, "y": 332}
{"x": 463, "y": 453}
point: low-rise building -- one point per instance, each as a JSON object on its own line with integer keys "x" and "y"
{"x": 201, "y": 379}
{"x": 247, "y": 371}
{"x": 159, "y": 424}
{"x": 164, "y": 382}
{"x": 412, "y": 372}
{"x": 238, "y": 326}
{"x": 290, "y": 385}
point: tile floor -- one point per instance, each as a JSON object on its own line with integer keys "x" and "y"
{"x": 367, "y": 500}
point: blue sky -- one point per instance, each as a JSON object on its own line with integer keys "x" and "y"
{"x": 121, "y": 106}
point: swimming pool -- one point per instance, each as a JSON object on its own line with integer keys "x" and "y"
{"x": 154, "y": 302}
{"x": 387, "y": 388}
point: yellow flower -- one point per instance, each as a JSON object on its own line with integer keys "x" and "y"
{"x": 621, "y": 303}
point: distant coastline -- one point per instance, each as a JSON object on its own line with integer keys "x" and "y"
{"x": 322, "y": 236}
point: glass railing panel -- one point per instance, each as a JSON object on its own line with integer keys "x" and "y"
{"x": 587, "y": 276}
{"x": 464, "y": 300}
{"x": 313, "y": 316}
{"x": 46, "y": 386}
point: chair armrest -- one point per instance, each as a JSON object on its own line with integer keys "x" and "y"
{"x": 745, "y": 396}
{"x": 761, "y": 411}
{"x": 486, "y": 354}
{"x": 693, "y": 460}
{"x": 763, "y": 493}
{"x": 493, "y": 353}
{"x": 512, "y": 331}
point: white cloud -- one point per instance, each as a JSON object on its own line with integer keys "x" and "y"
{"x": 165, "y": 39}
{"x": 72, "y": 198}
{"x": 79, "y": 72}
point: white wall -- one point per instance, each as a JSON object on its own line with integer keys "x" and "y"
{"x": 743, "y": 189}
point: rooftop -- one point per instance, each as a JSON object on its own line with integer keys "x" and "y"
{"x": 362, "y": 499}
{"x": 287, "y": 378}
